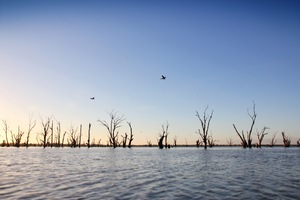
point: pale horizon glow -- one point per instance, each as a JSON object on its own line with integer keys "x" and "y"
{"x": 55, "y": 55}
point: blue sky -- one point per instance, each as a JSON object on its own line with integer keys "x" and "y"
{"x": 55, "y": 55}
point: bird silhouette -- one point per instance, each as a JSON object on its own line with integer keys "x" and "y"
{"x": 163, "y": 77}
{"x": 92, "y": 98}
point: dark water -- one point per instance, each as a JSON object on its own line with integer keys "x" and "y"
{"x": 150, "y": 173}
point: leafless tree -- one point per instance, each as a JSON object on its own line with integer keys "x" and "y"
{"x": 229, "y": 142}
{"x": 273, "y": 140}
{"x": 261, "y": 135}
{"x": 30, "y": 127}
{"x": 247, "y": 142}
{"x": 149, "y": 143}
{"x": 45, "y": 132}
{"x": 166, "y": 133}
{"x": 63, "y": 139}
{"x": 80, "y": 133}
{"x": 58, "y": 131}
{"x": 89, "y": 136}
{"x": 198, "y": 143}
{"x": 16, "y": 139}
{"x": 298, "y": 142}
{"x": 210, "y": 140}
{"x": 115, "y": 123}
{"x": 5, "y": 128}
{"x": 175, "y": 140}
{"x": 205, "y": 122}
{"x": 286, "y": 140}
{"x": 130, "y": 139}
{"x": 160, "y": 140}
{"x": 124, "y": 140}
{"x": 73, "y": 136}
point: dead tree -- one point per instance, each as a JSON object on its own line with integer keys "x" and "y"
{"x": 229, "y": 142}
{"x": 45, "y": 132}
{"x": 16, "y": 139}
{"x": 261, "y": 135}
{"x": 130, "y": 139}
{"x": 298, "y": 142}
{"x": 115, "y": 123}
{"x": 5, "y": 128}
{"x": 210, "y": 140}
{"x": 89, "y": 136}
{"x": 247, "y": 142}
{"x": 205, "y": 122}
{"x": 63, "y": 139}
{"x": 30, "y": 127}
{"x": 166, "y": 133}
{"x": 286, "y": 140}
{"x": 198, "y": 143}
{"x": 124, "y": 140}
{"x": 73, "y": 137}
{"x": 160, "y": 141}
{"x": 80, "y": 133}
{"x": 273, "y": 141}
{"x": 51, "y": 143}
{"x": 175, "y": 140}
{"x": 149, "y": 143}
{"x": 58, "y": 131}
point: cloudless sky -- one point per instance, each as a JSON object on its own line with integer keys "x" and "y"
{"x": 55, "y": 55}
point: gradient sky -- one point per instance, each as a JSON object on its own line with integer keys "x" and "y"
{"x": 55, "y": 55}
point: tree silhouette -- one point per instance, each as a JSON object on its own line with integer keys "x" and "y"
{"x": 112, "y": 126}
{"x": 205, "y": 122}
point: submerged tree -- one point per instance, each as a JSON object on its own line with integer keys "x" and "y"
{"x": 5, "y": 128}
{"x": 246, "y": 142}
{"x": 30, "y": 127}
{"x": 273, "y": 141}
{"x": 89, "y": 136}
{"x": 175, "y": 140}
{"x": 112, "y": 126}
{"x": 286, "y": 140}
{"x": 210, "y": 140}
{"x": 205, "y": 122}
{"x": 229, "y": 142}
{"x": 45, "y": 131}
{"x": 73, "y": 138}
{"x": 124, "y": 140}
{"x": 261, "y": 135}
{"x": 130, "y": 139}
{"x": 160, "y": 140}
{"x": 166, "y": 133}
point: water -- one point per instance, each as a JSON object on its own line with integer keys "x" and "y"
{"x": 149, "y": 173}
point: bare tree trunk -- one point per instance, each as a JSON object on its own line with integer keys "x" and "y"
{"x": 273, "y": 141}
{"x": 130, "y": 139}
{"x": 51, "y": 134}
{"x": 58, "y": 129}
{"x": 30, "y": 127}
{"x": 166, "y": 133}
{"x": 247, "y": 143}
{"x": 46, "y": 127}
{"x": 286, "y": 140}
{"x": 205, "y": 122}
{"x": 6, "y": 131}
{"x": 175, "y": 141}
{"x": 124, "y": 140}
{"x": 89, "y": 135}
{"x": 261, "y": 135}
{"x": 63, "y": 139}
{"x": 79, "y": 143}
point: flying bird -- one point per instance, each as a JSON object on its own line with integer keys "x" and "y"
{"x": 163, "y": 77}
{"x": 92, "y": 98}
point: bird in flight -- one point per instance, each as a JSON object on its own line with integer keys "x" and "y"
{"x": 163, "y": 77}
{"x": 92, "y": 98}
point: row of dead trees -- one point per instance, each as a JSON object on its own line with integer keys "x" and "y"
{"x": 48, "y": 137}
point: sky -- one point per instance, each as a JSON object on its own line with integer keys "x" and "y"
{"x": 55, "y": 55}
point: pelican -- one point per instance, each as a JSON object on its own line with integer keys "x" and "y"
{"x": 163, "y": 77}
{"x": 92, "y": 98}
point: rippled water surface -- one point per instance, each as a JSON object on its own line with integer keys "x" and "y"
{"x": 150, "y": 173}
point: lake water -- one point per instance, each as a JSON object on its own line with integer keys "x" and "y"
{"x": 150, "y": 173}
